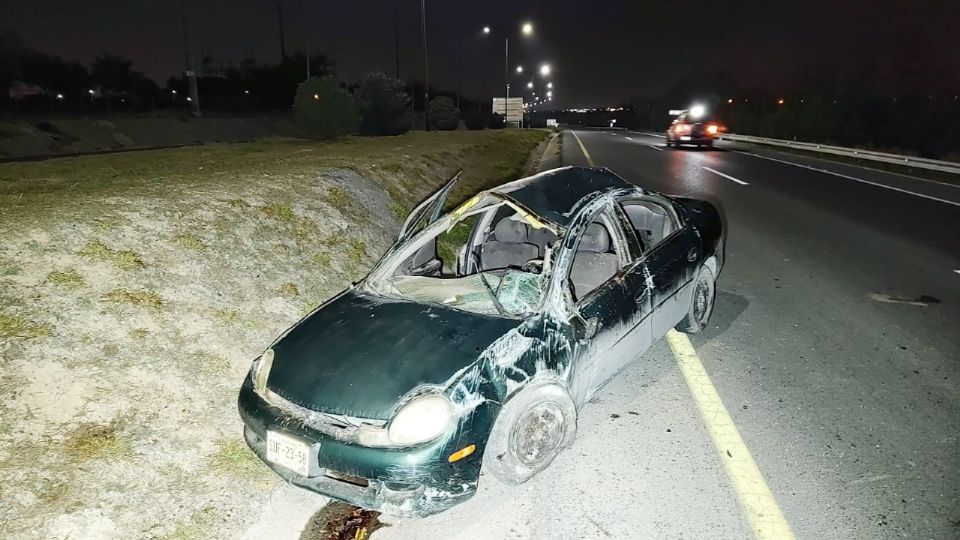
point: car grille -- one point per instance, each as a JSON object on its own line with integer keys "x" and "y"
{"x": 339, "y": 426}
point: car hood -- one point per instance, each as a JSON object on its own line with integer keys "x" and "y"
{"x": 359, "y": 353}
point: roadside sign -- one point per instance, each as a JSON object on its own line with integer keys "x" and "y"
{"x": 551, "y": 122}
{"x": 511, "y": 109}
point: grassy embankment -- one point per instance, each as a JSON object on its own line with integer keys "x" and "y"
{"x": 135, "y": 289}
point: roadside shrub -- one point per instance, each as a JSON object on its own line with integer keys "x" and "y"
{"x": 443, "y": 113}
{"x": 383, "y": 104}
{"x": 496, "y": 121}
{"x": 473, "y": 120}
{"x": 323, "y": 110}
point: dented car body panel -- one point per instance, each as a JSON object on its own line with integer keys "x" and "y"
{"x": 350, "y": 367}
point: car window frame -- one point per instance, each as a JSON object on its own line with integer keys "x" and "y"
{"x": 666, "y": 205}
{"x": 623, "y": 263}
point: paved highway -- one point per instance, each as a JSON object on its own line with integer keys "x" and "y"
{"x": 835, "y": 346}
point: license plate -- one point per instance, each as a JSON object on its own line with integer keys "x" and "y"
{"x": 684, "y": 138}
{"x": 288, "y": 452}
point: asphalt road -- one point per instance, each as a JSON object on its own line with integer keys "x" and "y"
{"x": 835, "y": 346}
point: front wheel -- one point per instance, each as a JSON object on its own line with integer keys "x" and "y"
{"x": 701, "y": 303}
{"x": 529, "y": 432}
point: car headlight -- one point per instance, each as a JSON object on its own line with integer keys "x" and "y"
{"x": 422, "y": 419}
{"x": 261, "y": 370}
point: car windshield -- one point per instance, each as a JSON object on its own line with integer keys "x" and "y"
{"x": 484, "y": 257}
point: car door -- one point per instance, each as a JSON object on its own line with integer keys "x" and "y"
{"x": 612, "y": 316}
{"x": 669, "y": 264}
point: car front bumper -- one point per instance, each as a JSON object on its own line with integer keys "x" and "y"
{"x": 415, "y": 481}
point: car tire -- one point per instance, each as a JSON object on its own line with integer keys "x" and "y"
{"x": 701, "y": 303}
{"x": 531, "y": 429}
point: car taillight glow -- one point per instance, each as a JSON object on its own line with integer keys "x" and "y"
{"x": 712, "y": 129}
{"x": 680, "y": 128}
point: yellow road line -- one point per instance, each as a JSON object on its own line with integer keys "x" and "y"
{"x": 583, "y": 149}
{"x": 755, "y": 498}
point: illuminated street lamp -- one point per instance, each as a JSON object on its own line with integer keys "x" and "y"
{"x": 549, "y": 85}
{"x": 530, "y": 84}
{"x": 549, "y": 93}
{"x": 519, "y": 69}
{"x": 545, "y": 70}
{"x": 780, "y": 101}
{"x": 486, "y": 29}
{"x": 527, "y": 28}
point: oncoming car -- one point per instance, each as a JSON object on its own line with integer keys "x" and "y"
{"x": 690, "y": 128}
{"x": 449, "y": 359}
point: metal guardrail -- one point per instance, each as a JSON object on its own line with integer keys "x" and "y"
{"x": 909, "y": 161}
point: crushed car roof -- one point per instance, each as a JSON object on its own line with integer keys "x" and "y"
{"x": 552, "y": 195}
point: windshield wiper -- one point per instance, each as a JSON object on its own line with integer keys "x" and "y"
{"x": 493, "y": 295}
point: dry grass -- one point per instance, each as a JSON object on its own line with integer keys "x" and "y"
{"x": 68, "y": 278}
{"x": 92, "y": 441}
{"x": 190, "y": 241}
{"x": 357, "y": 251}
{"x": 289, "y": 290}
{"x": 233, "y": 458}
{"x": 123, "y": 259}
{"x": 142, "y": 298}
{"x": 279, "y": 211}
{"x": 15, "y": 326}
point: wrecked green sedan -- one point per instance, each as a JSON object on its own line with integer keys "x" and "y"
{"x": 448, "y": 359}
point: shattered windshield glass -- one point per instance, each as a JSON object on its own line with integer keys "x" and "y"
{"x": 484, "y": 257}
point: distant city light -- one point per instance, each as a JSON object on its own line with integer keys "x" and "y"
{"x": 246, "y": 91}
{"x": 174, "y": 92}
{"x": 189, "y": 98}
{"x": 549, "y": 85}
{"x": 730, "y": 101}
{"x": 530, "y": 84}
{"x": 59, "y": 96}
{"x": 527, "y": 29}
{"x": 486, "y": 29}
{"x": 519, "y": 69}
{"x": 316, "y": 97}
{"x": 780, "y": 101}
{"x": 90, "y": 91}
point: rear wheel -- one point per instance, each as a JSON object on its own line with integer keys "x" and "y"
{"x": 701, "y": 303}
{"x": 529, "y": 432}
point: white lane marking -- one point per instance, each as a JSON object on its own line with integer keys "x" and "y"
{"x": 657, "y": 148}
{"x": 756, "y": 500}
{"x": 957, "y": 271}
{"x": 727, "y": 176}
{"x": 628, "y": 138}
{"x": 887, "y": 299}
{"x": 848, "y": 177}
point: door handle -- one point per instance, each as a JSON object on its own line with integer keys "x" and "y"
{"x": 692, "y": 255}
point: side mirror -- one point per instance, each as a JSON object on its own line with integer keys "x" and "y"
{"x": 584, "y": 329}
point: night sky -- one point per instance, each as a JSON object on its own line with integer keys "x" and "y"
{"x": 601, "y": 51}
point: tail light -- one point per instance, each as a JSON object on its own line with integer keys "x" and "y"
{"x": 681, "y": 128}
{"x": 712, "y": 129}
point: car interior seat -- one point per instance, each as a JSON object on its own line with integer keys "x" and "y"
{"x": 594, "y": 262}
{"x": 509, "y": 247}
{"x": 541, "y": 238}
{"x": 651, "y": 225}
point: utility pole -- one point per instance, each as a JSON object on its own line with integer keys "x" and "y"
{"x": 396, "y": 36}
{"x": 426, "y": 68}
{"x": 189, "y": 72}
{"x": 283, "y": 47}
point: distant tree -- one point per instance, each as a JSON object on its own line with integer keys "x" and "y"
{"x": 473, "y": 120}
{"x": 383, "y": 104}
{"x": 323, "y": 110}
{"x": 443, "y": 113}
{"x": 114, "y": 74}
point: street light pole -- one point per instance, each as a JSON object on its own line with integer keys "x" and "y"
{"x": 426, "y": 69}
{"x": 506, "y": 78}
